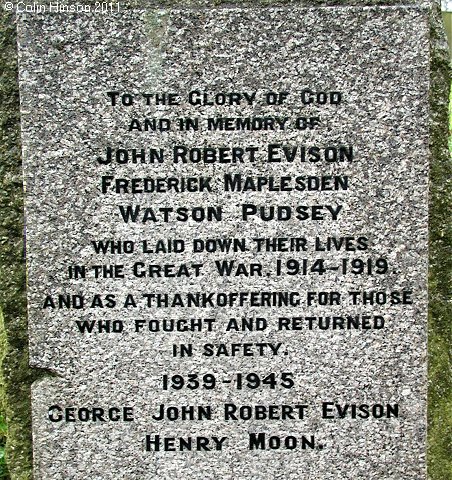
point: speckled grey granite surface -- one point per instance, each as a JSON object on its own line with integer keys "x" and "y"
{"x": 378, "y": 59}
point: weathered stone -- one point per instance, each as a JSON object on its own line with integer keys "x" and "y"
{"x": 67, "y": 364}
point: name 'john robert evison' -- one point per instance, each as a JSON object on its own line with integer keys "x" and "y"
{"x": 274, "y": 153}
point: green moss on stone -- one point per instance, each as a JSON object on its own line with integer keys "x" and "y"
{"x": 16, "y": 376}
{"x": 440, "y": 278}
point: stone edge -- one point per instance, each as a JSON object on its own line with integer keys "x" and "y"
{"x": 439, "y": 454}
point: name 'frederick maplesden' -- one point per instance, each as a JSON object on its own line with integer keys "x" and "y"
{"x": 274, "y": 153}
{"x": 230, "y": 183}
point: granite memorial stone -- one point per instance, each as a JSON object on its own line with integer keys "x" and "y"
{"x": 227, "y": 226}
